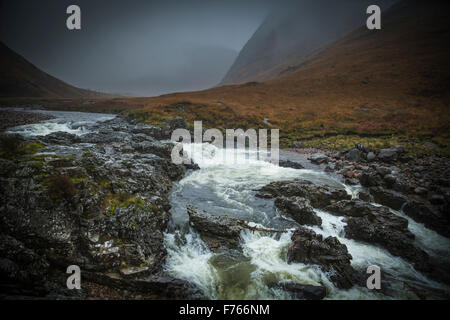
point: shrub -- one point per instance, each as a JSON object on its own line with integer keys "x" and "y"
{"x": 10, "y": 145}
{"x": 61, "y": 186}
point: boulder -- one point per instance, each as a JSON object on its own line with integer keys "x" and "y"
{"x": 353, "y": 155}
{"x": 318, "y": 158}
{"x": 331, "y": 255}
{"x": 219, "y": 232}
{"x": 378, "y": 226}
{"x": 318, "y": 195}
{"x": 389, "y": 198}
{"x": 370, "y": 179}
{"x": 290, "y": 164}
{"x": 299, "y": 209}
{"x": 390, "y": 154}
{"x": 371, "y": 156}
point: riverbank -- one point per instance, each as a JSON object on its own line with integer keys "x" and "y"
{"x": 10, "y": 118}
{"x": 101, "y": 192}
{"x": 91, "y": 191}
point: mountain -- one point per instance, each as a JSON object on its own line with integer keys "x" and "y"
{"x": 291, "y": 34}
{"x": 393, "y": 80}
{"x": 20, "y": 78}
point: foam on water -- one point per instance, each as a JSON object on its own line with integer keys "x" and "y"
{"x": 225, "y": 184}
{"x": 77, "y": 123}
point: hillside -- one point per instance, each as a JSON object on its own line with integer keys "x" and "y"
{"x": 392, "y": 81}
{"x": 292, "y": 33}
{"x": 20, "y": 78}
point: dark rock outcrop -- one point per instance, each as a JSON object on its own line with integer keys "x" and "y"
{"x": 377, "y": 225}
{"x": 290, "y": 164}
{"x": 389, "y": 198}
{"x": 318, "y": 196}
{"x": 302, "y": 291}
{"x": 298, "y": 209}
{"x": 318, "y": 158}
{"x": 101, "y": 206}
{"x": 429, "y": 216}
{"x": 331, "y": 255}
{"x": 218, "y": 232}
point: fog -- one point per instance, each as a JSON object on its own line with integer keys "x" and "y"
{"x": 133, "y": 47}
{"x": 147, "y": 47}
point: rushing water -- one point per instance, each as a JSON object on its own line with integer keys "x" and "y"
{"x": 225, "y": 185}
{"x": 77, "y": 123}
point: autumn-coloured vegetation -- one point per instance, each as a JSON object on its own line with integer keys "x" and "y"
{"x": 392, "y": 83}
{"x": 386, "y": 85}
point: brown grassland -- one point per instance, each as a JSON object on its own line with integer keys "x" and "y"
{"x": 378, "y": 87}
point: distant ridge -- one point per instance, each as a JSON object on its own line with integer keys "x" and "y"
{"x": 370, "y": 81}
{"x": 291, "y": 34}
{"x": 20, "y": 78}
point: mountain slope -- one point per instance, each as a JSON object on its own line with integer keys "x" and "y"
{"x": 19, "y": 78}
{"x": 395, "y": 80}
{"x": 293, "y": 33}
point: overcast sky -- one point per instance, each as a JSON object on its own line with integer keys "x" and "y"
{"x": 136, "y": 47}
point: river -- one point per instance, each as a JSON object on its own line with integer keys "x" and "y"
{"x": 224, "y": 185}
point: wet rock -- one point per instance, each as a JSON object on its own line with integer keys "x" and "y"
{"x": 376, "y": 214}
{"x": 62, "y": 138}
{"x": 371, "y": 157}
{"x": 318, "y": 195}
{"x": 377, "y": 225}
{"x": 353, "y": 155}
{"x": 365, "y": 196}
{"x": 389, "y": 198}
{"x": 218, "y": 232}
{"x": 427, "y": 215}
{"x": 9, "y": 118}
{"x": 318, "y": 158}
{"x": 158, "y": 287}
{"x": 302, "y": 291}
{"x": 437, "y": 199}
{"x": 161, "y": 149}
{"x": 390, "y": 180}
{"x": 147, "y": 130}
{"x": 331, "y": 255}
{"x": 290, "y": 164}
{"x": 298, "y": 209}
{"x": 382, "y": 171}
{"x": 390, "y": 154}
{"x": 370, "y": 179}
{"x": 113, "y": 220}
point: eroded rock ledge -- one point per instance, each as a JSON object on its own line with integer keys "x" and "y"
{"x": 99, "y": 201}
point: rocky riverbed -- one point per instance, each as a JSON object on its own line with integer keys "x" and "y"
{"x": 98, "y": 200}
{"x": 102, "y": 193}
{"x": 11, "y": 118}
